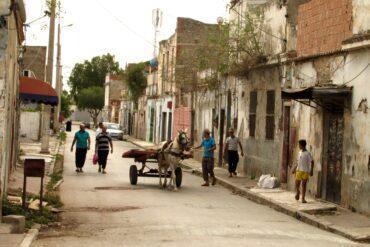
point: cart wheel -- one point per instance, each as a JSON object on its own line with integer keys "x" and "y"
{"x": 178, "y": 173}
{"x": 133, "y": 175}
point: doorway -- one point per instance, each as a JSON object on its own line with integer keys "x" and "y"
{"x": 333, "y": 156}
{"x": 164, "y": 123}
{"x": 169, "y": 134}
{"x": 221, "y": 144}
{"x": 151, "y": 127}
{"x": 286, "y": 145}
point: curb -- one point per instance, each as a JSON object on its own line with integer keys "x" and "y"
{"x": 259, "y": 199}
{"x": 299, "y": 215}
{"x": 30, "y": 237}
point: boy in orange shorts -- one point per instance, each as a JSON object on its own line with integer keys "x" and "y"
{"x": 303, "y": 170}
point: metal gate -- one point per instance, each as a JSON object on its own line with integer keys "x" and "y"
{"x": 334, "y": 157}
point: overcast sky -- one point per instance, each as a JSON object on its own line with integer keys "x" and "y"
{"x": 121, "y": 27}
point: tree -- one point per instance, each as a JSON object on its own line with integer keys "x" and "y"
{"x": 136, "y": 80}
{"x": 92, "y": 73}
{"x": 92, "y": 100}
{"x": 66, "y": 102}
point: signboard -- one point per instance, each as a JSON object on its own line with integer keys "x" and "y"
{"x": 34, "y": 168}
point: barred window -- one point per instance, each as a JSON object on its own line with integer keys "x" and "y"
{"x": 252, "y": 113}
{"x": 270, "y": 115}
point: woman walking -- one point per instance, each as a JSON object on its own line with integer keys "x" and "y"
{"x": 103, "y": 141}
{"x": 82, "y": 141}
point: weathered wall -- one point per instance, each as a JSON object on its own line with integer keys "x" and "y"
{"x": 261, "y": 155}
{"x": 9, "y": 105}
{"x": 361, "y": 16}
{"x": 30, "y": 125}
{"x": 352, "y": 70}
{"x": 34, "y": 59}
{"x": 323, "y": 25}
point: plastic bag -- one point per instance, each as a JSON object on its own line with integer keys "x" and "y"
{"x": 268, "y": 182}
{"x": 95, "y": 159}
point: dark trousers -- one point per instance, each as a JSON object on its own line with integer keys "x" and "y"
{"x": 208, "y": 164}
{"x": 80, "y": 157}
{"x": 233, "y": 158}
{"x": 102, "y": 158}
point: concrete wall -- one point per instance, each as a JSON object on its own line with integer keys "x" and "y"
{"x": 361, "y": 17}
{"x": 34, "y": 59}
{"x": 11, "y": 36}
{"x": 30, "y": 125}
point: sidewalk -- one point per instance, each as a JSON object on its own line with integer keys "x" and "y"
{"x": 29, "y": 150}
{"x": 324, "y": 215}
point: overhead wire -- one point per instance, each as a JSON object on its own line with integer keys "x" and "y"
{"x": 124, "y": 24}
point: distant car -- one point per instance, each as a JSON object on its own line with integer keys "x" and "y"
{"x": 87, "y": 125}
{"x": 114, "y": 130}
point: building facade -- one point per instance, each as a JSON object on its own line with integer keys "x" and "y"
{"x": 12, "y": 18}
{"x": 112, "y": 98}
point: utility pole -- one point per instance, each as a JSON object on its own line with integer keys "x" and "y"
{"x": 49, "y": 79}
{"x": 58, "y": 80}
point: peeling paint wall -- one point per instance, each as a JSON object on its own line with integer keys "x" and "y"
{"x": 361, "y": 16}
{"x": 352, "y": 70}
{"x": 9, "y": 105}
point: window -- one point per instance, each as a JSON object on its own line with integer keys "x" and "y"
{"x": 270, "y": 115}
{"x": 252, "y": 113}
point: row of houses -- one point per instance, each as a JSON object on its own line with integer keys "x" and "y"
{"x": 312, "y": 83}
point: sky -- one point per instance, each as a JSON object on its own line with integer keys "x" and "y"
{"x": 120, "y": 27}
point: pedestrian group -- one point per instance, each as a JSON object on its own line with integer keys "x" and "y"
{"x": 103, "y": 144}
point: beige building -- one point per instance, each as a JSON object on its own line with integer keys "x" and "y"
{"x": 11, "y": 39}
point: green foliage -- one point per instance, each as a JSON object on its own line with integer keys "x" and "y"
{"x": 66, "y": 102}
{"x": 92, "y": 100}
{"x": 234, "y": 48}
{"x": 92, "y": 73}
{"x": 136, "y": 80}
{"x": 32, "y": 216}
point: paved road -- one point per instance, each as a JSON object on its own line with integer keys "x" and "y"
{"x": 104, "y": 210}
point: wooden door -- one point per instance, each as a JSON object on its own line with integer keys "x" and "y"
{"x": 334, "y": 157}
{"x": 286, "y": 143}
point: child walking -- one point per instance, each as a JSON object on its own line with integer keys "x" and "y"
{"x": 303, "y": 170}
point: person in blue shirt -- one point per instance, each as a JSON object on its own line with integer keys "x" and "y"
{"x": 82, "y": 141}
{"x": 208, "y": 161}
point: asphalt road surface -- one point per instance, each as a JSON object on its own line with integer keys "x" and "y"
{"x": 105, "y": 210}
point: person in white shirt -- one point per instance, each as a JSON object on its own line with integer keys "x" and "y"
{"x": 231, "y": 152}
{"x": 99, "y": 129}
{"x": 303, "y": 170}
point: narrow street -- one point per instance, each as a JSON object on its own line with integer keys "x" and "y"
{"x": 102, "y": 210}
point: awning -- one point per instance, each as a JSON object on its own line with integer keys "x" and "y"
{"x": 330, "y": 98}
{"x": 36, "y": 91}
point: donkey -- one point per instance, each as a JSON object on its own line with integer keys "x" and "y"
{"x": 169, "y": 157}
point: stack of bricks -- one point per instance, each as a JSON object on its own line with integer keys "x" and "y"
{"x": 323, "y": 25}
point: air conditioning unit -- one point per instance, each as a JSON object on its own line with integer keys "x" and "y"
{"x": 28, "y": 73}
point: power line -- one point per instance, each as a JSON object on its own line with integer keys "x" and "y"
{"x": 256, "y": 26}
{"x": 354, "y": 78}
{"x": 125, "y": 25}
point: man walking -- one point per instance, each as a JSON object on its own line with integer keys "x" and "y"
{"x": 82, "y": 140}
{"x": 208, "y": 162}
{"x": 231, "y": 150}
{"x": 103, "y": 141}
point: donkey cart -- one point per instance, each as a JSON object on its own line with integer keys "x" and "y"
{"x": 148, "y": 157}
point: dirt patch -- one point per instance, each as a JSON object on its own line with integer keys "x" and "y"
{"x": 100, "y": 210}
{"x": 117, "y": 188}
